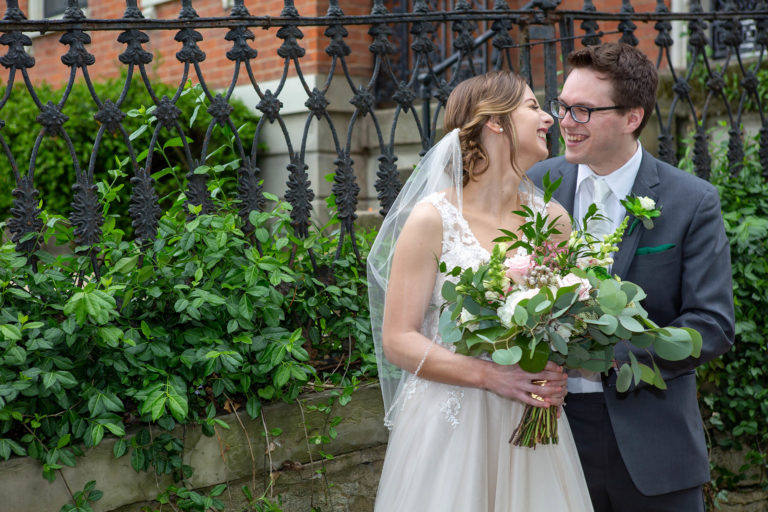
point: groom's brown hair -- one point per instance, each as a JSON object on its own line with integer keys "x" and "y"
{"x": 632, "y": 74}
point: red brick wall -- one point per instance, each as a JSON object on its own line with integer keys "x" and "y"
{"x": 218, "y": 70}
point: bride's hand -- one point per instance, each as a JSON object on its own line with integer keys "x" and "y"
{"x": 514, "y": 382}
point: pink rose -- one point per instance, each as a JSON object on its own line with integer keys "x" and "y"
{"x": 570, "y": 280}
{"x": 518, "y": 267}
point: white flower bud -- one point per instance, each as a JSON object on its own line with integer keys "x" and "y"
{"x": 647, "y": 203}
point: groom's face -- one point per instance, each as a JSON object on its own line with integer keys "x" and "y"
{"x": 603, "y": 141}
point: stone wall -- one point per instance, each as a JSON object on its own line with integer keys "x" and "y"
{"x": 240, "y": 455}
{"x": 300, "y": 479}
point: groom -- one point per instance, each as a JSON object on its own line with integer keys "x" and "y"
{"x": 643, "y": 450}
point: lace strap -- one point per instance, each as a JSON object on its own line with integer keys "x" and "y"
{"x": 455, "y": 227}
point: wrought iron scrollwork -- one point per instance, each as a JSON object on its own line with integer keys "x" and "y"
{"x": 419, "y": 51}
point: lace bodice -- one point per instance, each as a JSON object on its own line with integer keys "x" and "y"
{"x": 460, "y": 248}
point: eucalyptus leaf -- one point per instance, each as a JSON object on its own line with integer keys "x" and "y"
{"x": 448, "y": 291}
{"x": 611, "y": 298}
{"x": 559, "y": 342}
{"x": 630, "y": 324}
{"x": 674, "y": 347}
{"x": 449, "y": 331}
{"x": 624, "y": 379}
{"x": 507, "y": 356}
{"x": 520, "y": 315}
{"x": 637, "y": 373}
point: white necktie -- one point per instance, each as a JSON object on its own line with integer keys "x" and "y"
{"x": 601, "y": 193}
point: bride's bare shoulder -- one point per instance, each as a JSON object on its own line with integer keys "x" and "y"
{"x": 424, "y": 216}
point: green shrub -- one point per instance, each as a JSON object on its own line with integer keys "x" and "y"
{"x": 198, "y": 321}
{"x": 54, "y": 170}
{"x": 734, "y": 387}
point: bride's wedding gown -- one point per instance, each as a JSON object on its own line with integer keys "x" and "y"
{"x": 449, "y": 450}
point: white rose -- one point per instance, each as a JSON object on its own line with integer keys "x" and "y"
{"x": 507, "y": 310}
{"x": 505, "y": 313}
{"x": 465, "y": 317}
{"x": 564, "y": 330}
{"x": 647, "y": 203}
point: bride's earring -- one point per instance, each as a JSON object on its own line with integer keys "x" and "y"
{"x": 501, "y": 130}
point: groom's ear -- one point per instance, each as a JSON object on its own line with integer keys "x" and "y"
{"x": 633, "y": 119}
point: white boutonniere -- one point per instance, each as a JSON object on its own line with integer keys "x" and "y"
{"x": 643, "y": 209}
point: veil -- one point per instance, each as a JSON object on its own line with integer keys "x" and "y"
{"x": 439, "y": 170}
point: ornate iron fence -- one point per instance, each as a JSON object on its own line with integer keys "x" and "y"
{"x": 412, "y": 72}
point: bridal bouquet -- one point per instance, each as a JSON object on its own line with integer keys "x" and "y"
{"x": 537, "y": 301}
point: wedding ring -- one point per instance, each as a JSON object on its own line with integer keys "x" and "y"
{"x": 541, "y": 382}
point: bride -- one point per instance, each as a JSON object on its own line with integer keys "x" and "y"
{"x": 452, "y": 415}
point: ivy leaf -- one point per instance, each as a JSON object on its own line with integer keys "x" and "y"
{"x": 10, "y": 332}
{"x": 154, "y": 403}
{"x": 66, "y": 457}
{"x": 281, "y": 376}
{"x": 138, "y": 459}
{"x": 253, "y": 407}
{"x": 9, "y": 445}
{"x": 101, "y": 402}
{"x": 177, "y": 399}
{"x": 125, "y": 265}
{"x": 97, "y": 434}
{"x": 111, "y": 335}
{"x": 120, "y": 448}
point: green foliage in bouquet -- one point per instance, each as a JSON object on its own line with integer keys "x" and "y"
{"x": 568, "y": 312}
{"x": 537, "y": 301}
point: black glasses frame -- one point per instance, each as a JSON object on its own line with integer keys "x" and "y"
{"x": 555, "y": 105}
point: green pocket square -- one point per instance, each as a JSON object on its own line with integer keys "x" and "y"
{"x": 654, "y": 250}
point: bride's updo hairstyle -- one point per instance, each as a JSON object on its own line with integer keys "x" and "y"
{"x": 471, "y": 104}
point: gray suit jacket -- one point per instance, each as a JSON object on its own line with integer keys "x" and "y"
{"x": 684, "y": 266}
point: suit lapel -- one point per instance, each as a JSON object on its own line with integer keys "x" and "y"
{"x": 645, "y": 184}
{"x": 567, "y": 190}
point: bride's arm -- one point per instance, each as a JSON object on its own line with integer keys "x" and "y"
{"x": 411, "y": 281}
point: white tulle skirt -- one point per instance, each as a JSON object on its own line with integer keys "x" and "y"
{"x": 449, "y": 451}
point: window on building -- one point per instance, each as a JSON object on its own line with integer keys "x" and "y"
{"x": 39, "y": 9}
{"x": 748, "y": 29}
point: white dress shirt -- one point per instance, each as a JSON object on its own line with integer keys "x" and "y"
{"x": 620, "y": 182}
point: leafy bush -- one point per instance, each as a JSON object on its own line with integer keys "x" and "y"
{"x": 734, "y": 387}
{"x": 198, "y": 322}
{"x": 54, "y": 171}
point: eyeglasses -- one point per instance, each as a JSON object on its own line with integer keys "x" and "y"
{"x": 579, "y": 113}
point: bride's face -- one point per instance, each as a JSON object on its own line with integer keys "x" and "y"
{"x": 531, "y": 125}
